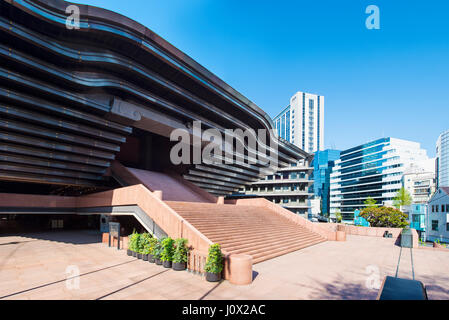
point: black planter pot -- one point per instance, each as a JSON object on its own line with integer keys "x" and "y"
{"x": 158, "y": 261}
{"x": 179, "y": 266}
{"x": 129, "y": 252}
{"x": 134, "y": 254}
{"x": 144, "y": 257}
{"x": 150, "y": 258}
{"x": 167, "y": 264}
{"x": 213, "y": 277}
{"x": 139, "y": 256}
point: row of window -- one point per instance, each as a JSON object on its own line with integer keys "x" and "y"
{"x": 286, "y": 175}
{"x": 444, "y": 208}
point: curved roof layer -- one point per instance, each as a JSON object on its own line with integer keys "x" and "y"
{"x": 80, "y": 92}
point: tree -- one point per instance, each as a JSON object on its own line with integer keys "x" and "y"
{"x": 338, "y": 216}
{"x": 402, "y": 198}
{"x": 385, "y": 217}
{"x": 370, "y": 203}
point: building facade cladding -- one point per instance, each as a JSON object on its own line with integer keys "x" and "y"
{"x": 375, "y": 170}
{"x": 288, "y": 187}
{"x": 437, "y": 222}
{"x": 442, "y": 160}
{"x": 74, "y": 100}
{"x": 304, "y": 122}
{"x": 323, "y": 163}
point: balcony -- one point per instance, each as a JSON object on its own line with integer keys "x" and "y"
{"x": 287, "y": 180}
{"x": 276, "y": 193}
{"x": 295, "y": 205}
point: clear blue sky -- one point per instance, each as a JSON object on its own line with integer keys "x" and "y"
{"x": 388, "y": 82}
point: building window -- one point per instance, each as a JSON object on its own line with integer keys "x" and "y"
{"x": 442, "y": 208}
{"x": 447, "y": 208}
{"x": 434, "y": 225}
{"x": 433, "y": 208}
{"x": 437, "y": 208}
{"x": 447, "y": 226}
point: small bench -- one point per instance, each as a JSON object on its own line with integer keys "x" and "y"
{"x": 402, "y": 289}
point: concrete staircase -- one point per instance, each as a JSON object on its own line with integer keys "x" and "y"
{"x": 252, "y": 230}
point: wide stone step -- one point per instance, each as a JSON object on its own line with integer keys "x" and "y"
{"x": 245, "y": 231}
{"x": 252, "y": 230}
{"x": 270, "y": 255}
{"x": 267, "y": 241}
{"x": 260, "y": 237}
{"x": 283, "y": 245}
{"x": 266, "y": 245}
{"x": 216, "y": 225}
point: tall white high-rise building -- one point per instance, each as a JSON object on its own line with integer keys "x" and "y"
{"x": 302, "y": 122}
{"x": 442, "y": 161}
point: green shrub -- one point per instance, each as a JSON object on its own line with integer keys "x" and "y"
{"x": 139, "y": 243}
{"x": 180, "y": 254}
{"x": 132, "y": 245}
{"x": 214, "y": 262}
{"x": 145, "y": 242}
{"x": 151, "y": 245}
{"x": 167, "y": 249}
{"x": 157, "y": 251}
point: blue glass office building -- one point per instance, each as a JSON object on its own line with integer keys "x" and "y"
{"x": 374, "y": 169}
{"x": 323, "y": 163}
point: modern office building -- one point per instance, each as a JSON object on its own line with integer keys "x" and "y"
{"x": 374, "y": 169}
{"x": 437, "y": 224}
{"x": 289, "y": 187}
{"x": 442, "y": 160}
{"x": 323, "y": 163}
{"x": 302, "y": 122}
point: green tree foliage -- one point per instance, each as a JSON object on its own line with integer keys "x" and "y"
{"x": 385, "y": 217}
{"x": 214, "y": 262}
{"x": 402, "y": 198}
{"x": 370, "y": 203}
{"x": 180, "y": 254}
{"x": 338, "y": 216}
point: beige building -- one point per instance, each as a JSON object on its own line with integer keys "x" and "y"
{"x": 420, "y": 182}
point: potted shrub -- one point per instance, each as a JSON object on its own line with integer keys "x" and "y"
{"x": 214, "y": 263}
{"x": 180, "y": 255}
{"x": 157, "y": 251}
{"x": 151, "y": 245}
{"x": 167, "y": 252}
{"x": 145, "y": 239}
{"x": 131, "y": 244}
{"x": 139, "y": 246}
